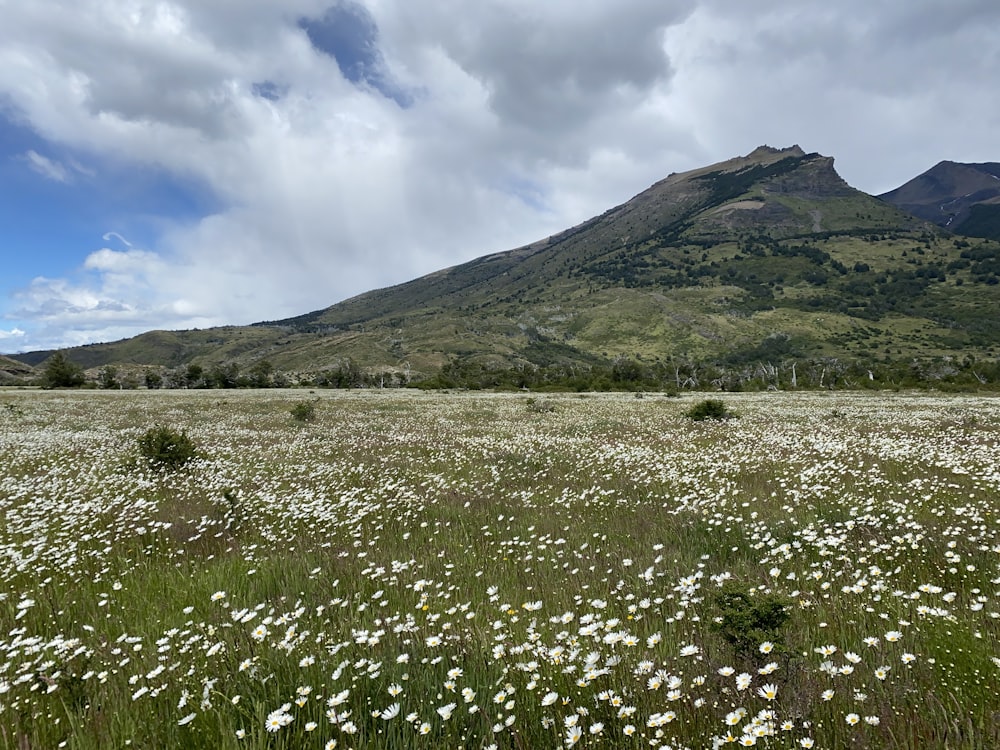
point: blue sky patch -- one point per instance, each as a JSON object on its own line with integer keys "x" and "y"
{"x": 56, "y": 205}
{"x": 347, "y": 32}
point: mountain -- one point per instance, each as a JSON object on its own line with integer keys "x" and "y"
{"x": 764, "y": 257}
{"x": 964, "y": 198}
{"x": 13, "y": 371}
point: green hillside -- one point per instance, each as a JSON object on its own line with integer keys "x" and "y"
{"x": 13, "y": 371}
{"x": 764, "y": 258}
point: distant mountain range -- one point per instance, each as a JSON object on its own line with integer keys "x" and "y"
{"x": 765, "y": 257}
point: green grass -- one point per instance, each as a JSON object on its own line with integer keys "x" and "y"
{"x": 574, "y": 550}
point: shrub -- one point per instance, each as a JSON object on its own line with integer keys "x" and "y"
{"x": 108, "y": 377}
{"x": 304, "y": 411}
{"x": 166, "y": 448}
{"x": 709, "y": 408}
{"x": 745, "y": 620}
{"x": 540, "y": 406}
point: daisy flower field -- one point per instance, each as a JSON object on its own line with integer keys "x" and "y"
{"x": 466, "y": 570}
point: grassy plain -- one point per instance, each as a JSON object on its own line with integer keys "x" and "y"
{"x": 474, "y": 570}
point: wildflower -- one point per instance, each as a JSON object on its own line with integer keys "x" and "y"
{"x": 852, "y": 719}
{"x": 573, "y": 735}
{"x": 424, "y": 728}
{"x": 218, "y": 595}
{"x": 446, "y": 711}
{"x": 274, "y": 722}
{"x": 643, "y": 667}
{"x": 827, "y": 695}
{"x": 628, "y": 730}
{"x": 186, "y": 720}
{"x": 766, "y": 647}
{"x": 549, "y": 698}
{"x": 872, "y": 721}
{"x": 690, "y": 650}
{"x": 807, "y": 742}
{"x": 338, "y": 699}
{"x": 743, "y": 681}
{"x": 908, "y": 658}
{"x": 768, "y": 691}
{"x": 391, "y": 712}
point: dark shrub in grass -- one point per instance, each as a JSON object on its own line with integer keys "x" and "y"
{"x": 709, "y": 408}
{"x": 747, "y": 619}
{"x": 304, "y": 411}
{"x": 166, "y": 448}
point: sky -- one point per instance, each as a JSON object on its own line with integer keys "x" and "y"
{"x": 190, "y": 163}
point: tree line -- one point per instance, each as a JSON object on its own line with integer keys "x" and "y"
{"x": 620, "y": 374}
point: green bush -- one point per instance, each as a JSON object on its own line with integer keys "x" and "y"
{"x": 166, "y": 448}
{"x": 709, "y": 408}
{"x": 304, "y": 411}
{"x": 745, "y": 620}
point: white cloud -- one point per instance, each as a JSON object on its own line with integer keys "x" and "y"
{"x": 523, "y": 118}
{"x": 46, "y": 167}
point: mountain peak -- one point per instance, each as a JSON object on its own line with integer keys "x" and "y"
{"x": 965, "y": 198}
{"x": 765, "y": 151}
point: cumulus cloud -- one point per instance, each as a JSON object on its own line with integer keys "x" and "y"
{"x": 352, "y": 145}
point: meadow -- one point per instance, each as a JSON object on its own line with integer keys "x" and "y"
{"x": 472, "y": 570}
